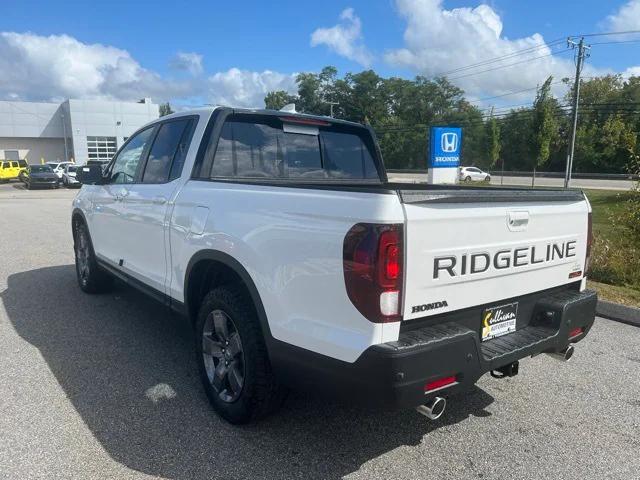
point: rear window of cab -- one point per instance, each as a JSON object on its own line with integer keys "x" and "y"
{"x": 255, "y": 147}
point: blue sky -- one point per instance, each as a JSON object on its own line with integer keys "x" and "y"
{"x": 224, "y": 48}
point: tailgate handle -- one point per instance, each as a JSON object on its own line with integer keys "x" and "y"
{"x": 518, "y": 220}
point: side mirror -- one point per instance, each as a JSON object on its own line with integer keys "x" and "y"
{"x": 90, "y": 175}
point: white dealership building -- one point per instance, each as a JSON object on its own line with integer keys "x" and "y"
{"x": 81, "y": 130}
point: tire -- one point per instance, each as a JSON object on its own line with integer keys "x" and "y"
{"x": 487, "y": 179}
{"x": 244, "y": 388}
{"x": 91, "y": 278}
{"x": 28, "y": 185}
{"x": 467, "y": 179}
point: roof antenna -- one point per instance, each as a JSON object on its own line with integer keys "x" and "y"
{"x": 289, "y": 108}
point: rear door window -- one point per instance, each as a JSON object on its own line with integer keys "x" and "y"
{"x": 258, "y": 147}
{"x": 163, "y": 151}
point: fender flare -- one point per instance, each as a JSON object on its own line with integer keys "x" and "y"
{"x": 238, "y": 268}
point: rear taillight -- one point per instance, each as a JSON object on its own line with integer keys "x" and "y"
{"x": 587, "y": 259}
{"x": 372, "y": 264}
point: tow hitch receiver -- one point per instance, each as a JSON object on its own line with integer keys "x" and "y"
{"x": 510, "y": 370}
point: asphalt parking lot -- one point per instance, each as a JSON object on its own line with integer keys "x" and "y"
{"x": 105, "y": 387}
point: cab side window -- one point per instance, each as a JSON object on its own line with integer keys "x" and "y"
{"x": 125, "y": 165}
{"x": 167, "y": 150}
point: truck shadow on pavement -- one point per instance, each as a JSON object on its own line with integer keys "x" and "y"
{"x": 127, "y": 365}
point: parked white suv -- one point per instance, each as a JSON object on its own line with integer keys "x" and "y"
{"x": 473, "y": 174}
{"x": 299, "y": 265}
{"x": 58, "y": 168}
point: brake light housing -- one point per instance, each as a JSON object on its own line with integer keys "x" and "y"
{"x": 373, "y": 270}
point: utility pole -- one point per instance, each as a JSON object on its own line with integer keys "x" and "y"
{"x": 331, "y": 104}
{"x": 581, "y": 54}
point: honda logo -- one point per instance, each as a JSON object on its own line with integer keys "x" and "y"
{"x": 449, "y": 142}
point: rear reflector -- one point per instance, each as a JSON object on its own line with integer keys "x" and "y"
{"x": 575, "y": 332}
{"x": 440, "y": 383}
{"x": 575, "y": 274}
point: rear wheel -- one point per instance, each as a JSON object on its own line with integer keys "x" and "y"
{"x": 232, "y": 358}
{"x": 467, "y": 179}
{"x": 91, "y": 278}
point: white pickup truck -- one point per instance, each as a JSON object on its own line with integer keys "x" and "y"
{"x": 300, "y": 265}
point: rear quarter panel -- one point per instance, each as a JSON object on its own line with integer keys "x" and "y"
{"x": 290, "y": 242}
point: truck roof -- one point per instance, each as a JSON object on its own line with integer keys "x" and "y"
{"x": 260, "y": 111}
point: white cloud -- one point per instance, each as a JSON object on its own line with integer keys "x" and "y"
{"x": 187, "y": 61}
{"x": 59, "y": 66}
{"x": 345, "y": 38}
{"x": 247, "y": 88}
{"x": 437, "y": 40}
{"x": 631, "y": 72}
{"x": 55, "y": 67}
{"x": 626, "y": 18}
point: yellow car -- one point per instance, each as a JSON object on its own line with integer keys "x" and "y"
{"x": 9, "y": 170}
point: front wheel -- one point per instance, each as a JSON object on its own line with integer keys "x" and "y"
{"x": 91, "y": 278}
{"x": 487, "y": 179}
{"x": 232, "y": 358}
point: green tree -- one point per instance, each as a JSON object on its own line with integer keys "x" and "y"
{"x": 165, "y": 109}
{"x": 491, "y": 142}
{"x": 544, "y": 126}
{"x": 277, "y": 100}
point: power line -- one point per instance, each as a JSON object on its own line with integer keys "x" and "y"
{"x": 510, "y": 64}
{"x": 615, "y": 42}
{"x": 625, "y": 32}
{"x": 512, "y": 93}
{"x": 503, "y": 57}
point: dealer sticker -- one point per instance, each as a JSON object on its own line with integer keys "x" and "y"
{"x": 498, "y": 321}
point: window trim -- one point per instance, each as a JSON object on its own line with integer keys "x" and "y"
{"x": 206, "y": 155}
{"x": 192, "y": 122}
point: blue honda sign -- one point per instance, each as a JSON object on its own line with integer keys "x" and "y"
{"x": 446, "y": 145}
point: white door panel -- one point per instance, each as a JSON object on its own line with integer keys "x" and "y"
{"x": 107, "y": 221}
{"x": 143, "y": 232}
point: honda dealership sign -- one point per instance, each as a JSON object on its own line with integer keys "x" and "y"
{"x": 444, "y": 154}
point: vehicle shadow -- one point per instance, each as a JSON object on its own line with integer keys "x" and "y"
{"x": 127, "y": 365}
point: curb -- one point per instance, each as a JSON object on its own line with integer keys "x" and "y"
{"x": 619, "y": 313}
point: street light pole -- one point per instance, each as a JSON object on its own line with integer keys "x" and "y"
{"x": 580, "y": 56}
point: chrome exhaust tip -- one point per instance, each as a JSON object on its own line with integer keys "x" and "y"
{"x": 433, "y": 409}
{"x": 565, "y": 354}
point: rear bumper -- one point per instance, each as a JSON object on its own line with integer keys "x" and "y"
{"x": 394, "y": 374}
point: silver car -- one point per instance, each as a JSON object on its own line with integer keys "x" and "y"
{"x": 473, "y": 174}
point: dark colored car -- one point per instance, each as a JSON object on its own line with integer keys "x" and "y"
{"x": 40, "y": 176}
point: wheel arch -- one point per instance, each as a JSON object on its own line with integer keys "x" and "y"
{"x": 209, "y": 268}
{"x": 78, "y": 216}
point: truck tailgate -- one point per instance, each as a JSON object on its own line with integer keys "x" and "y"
{"x": 466, "y": 247}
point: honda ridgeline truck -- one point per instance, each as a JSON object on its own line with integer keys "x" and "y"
{"x": 300, "y": 265}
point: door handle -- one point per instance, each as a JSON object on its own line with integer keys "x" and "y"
{"x": 159, "y": 201}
